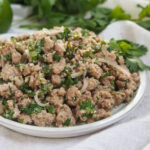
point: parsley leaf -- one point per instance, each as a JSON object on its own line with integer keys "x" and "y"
{"x": 50, "y": 109}
{"x": 32, "y": 108}
{"x": 65, "y": 35}
{"x": 119, "y": 14}
{"x": 145, "y": 12}
{"x": 8, "y": 57}
{"x": 35, "y": 48}
{"x": 27, "y": 90}
{"x": 131, "y": 52}
{"x": 9, "y": 114}
{"x": 67, "y": 122}
{"x": 46, "y": 87}
{"x": 135, "y": 65}
{"x": 145, "y": 24}
{"x": 88, "y": 106}
{"x": 56, "y": 57}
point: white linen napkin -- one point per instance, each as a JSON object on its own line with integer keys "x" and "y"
{"x": 131, "y": 133}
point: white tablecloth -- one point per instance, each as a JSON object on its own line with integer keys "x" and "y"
{"x": 131, "y": 133}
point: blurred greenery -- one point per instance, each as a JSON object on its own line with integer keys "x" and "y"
{"x": 49, "y": 13}
{"x": 5, "y": 15}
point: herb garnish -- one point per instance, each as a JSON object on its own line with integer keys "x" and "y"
{"x": 131, "y": 53}
{"x": 88, "y": 107}
{"x": 67, "y": 122}
{"x": 32, "y": 108}
{"x": 56, "y": 57}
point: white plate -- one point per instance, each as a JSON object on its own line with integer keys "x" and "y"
{"x": 119, "y": 113}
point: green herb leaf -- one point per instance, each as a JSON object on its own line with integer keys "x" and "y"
{"x": 130, "y": 51}
{"x": 35, "y": 48}
{"x": 32, "y": 108}
{"x": 135, "y": 65}
{"x": 50, "y": 109}
{"x": 65, "y": 35}
{"x": 105, "y": 75}
{"x": 56, "y": 57}
{"x": 8, "y": 57}
{"x": 119, "y": 14}
{"x": 67, "y": 122}
{"x": 20, "y": 120}
{"x": 9, "y": 114}
{"x": 46, "y": 69}
{"x": 85, "y": 32}
{"x": 88, "y": 106}
{"x": 145, "y": 12}
{"x": 114, "y": 45}
{"x": 27, "y": 90}
{"x": 46, "y": 87}
{"x": 145, "y": 24}
{"x": 88, "y": 54}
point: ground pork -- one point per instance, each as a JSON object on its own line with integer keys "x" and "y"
{"x": 24, "y": 102}
{"x": 43, "y": 119}
{"x": 59, "y": 67}
{"x": 9, "y": 72}
{"x": 108, "y": 80}
{"x": 8, "y": 48}
{"x": 92, "y": 84}
{"x": 25, "y": 119}
{"x": 56, "y": 79}
{"x": 60, "y": 47}
{"x": 101, "y": 113}
{"x": 48, "y": 57}
{"x": 31, "y": 68}
{"x": 16, "y": 111}
{"x": 48, "y": 44}
{"x": 16, "y": 57}
{"x": 62, "y": 77}
{"x": 55, "y": 100}
{"x": 7, "y": 90}
{"x": 119, "y": 97}
{"x": 73, "y": 95}
{"x": 95, "y": 71}
{"x": 64, "y": 113}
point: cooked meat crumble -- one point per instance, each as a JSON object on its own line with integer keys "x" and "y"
{"x": 62, "y": 77}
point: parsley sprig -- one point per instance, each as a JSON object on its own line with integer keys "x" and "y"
{"x": 131, "y": 52}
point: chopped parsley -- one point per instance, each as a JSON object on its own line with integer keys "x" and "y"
{"x": 27, "y": 90}
{"x": 46, "y": 70}
{"x": 105, "y": 75}
{"x": 4, "y": 101}
{"x": 68, "y": 81}
{"x": 56, "y": 57}
{"x": 64, "y": 35}
{"x": 1, "y": 81}
{"x": 20, "y": 120}
{"x": 67, "y": 122}
{"x": 46, "y": 87}
{"x": 85, "y": 32}
{"x": 8, "y": 114}
{"x": 88, "y": 54}
{"x": 32, "y": 108}
{"x": 69, "y": 51}
{"x": 89, "y": 107}
{"x": 8, "y": 57}
{"x": 20, "y": 66}
{"x": 112, "y": 82}
{"x": 50, "y": 109}
{"x": 35, "y": 49}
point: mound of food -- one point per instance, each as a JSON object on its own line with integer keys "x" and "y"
{"x": 62, "y": 77}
